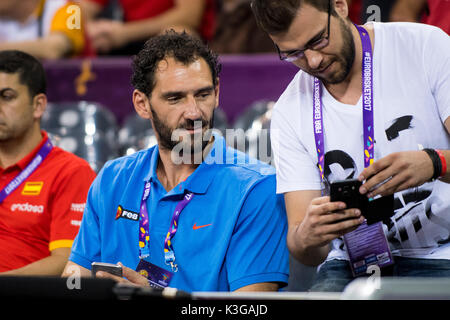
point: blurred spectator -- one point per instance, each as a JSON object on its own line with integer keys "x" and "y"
{"x": 237, "y": 32}
{"x": 46, "y": 29}
{"x": 354, "y": 12}
{"x": 143, "y": 19}
{"x": 434, "y": 12}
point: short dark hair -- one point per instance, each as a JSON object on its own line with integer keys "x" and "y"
{"x": 276, "y": 16}
{"x": 30, "y": 70}
{"x": 182, "y": 47}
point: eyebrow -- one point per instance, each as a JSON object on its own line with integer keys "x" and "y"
{"x": 314, "y": 39}
{"x": 169, "y": 94}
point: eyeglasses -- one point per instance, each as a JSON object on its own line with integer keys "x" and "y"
{"x": 318, "y": 44}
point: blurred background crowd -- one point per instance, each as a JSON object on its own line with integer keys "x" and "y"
{"x": 119, "y": 27}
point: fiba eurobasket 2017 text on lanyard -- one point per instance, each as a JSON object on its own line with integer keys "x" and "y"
{"x": 367, "y": 245}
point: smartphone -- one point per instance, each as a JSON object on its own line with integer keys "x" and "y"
{"x": 348, "y": 191}
{"x": 113, "y": 269}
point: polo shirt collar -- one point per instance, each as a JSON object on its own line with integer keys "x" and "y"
{"x": 151, "y": 175}
{"x": 26, "y": 160}
{"x": 199, "y": 181}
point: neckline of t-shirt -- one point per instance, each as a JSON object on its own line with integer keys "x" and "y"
{"x": 331, "y": 101}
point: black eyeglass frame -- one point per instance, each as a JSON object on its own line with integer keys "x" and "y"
{"x": 297, "y": 54}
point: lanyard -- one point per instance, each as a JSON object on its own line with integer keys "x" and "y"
{"x": 367, "y": 244}
{"x": 144, "y": 229}
{"x": 367, "y": 102}
{"x": 29, "y": 169}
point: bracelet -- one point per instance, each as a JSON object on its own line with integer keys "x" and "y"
{"x": 443, "y": 163}
{"x": 437, "y": 164}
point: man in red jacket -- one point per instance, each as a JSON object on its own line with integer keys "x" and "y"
{"x": 43, "y": 189}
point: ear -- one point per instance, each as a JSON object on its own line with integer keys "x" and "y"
{"x": 217, "y": 91}
{"x": 341, "y": 7}
{"x": 141, "y": 104}
{"x": 39, "y": 105}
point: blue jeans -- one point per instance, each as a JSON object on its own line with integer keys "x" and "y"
{"x": 335, "y": 275}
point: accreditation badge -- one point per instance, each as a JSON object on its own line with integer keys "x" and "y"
{"x": 367, "y": 246}
{"x": 157, "y": 277}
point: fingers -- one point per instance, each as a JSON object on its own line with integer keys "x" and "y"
{"x": 134, "y": 276}
{"x": 375, "y": 174}
{"x": 324, "y": 234}
{"x": 334, "y": 217}
{"x": 322, "y": 205}
{"x": 130, "y": 277}
{"x": 396, "y": 172}
{"x": 107, "y": 275}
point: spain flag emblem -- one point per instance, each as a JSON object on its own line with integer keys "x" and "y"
{"x": 32, "y": 188}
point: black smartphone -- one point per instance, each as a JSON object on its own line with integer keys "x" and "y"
{"x": 113, "y": 269}
{"x": 374, "y": 210}
{"x": 348, "y": 191}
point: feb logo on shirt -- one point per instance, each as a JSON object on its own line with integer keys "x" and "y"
{"x": 127, "y": 214}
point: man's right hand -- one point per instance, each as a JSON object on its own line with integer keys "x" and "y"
{"x": 325, "y": 221}
{"x": 314, "y": 222}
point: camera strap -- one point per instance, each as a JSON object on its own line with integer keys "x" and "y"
{"x": 366, "y": 245}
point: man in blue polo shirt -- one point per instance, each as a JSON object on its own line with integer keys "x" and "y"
{"x": 190, "y": 212}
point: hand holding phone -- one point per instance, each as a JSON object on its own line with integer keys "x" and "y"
{"x": 113, "y": 269}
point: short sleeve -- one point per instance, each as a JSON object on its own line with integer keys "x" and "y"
{"x": 68, "y": 202}
{"x": 87, "y": 245}
{"x": 294, "y": 165}
{"x": 257, "y": 252}
{"x": 436, "y": 60}
{"x": 61, "y": 21}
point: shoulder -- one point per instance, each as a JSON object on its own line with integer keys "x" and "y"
{"x": 295, "y": 100}
{"x": 129, "y": 166}
{"x": 408, "y": 33}
{"x": 66, "y": 161}
{"x": 299, "y": 85}
{"x": 244, "y": 171}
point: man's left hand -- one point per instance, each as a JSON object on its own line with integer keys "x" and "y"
{"x": 130, "y": 277}
{"x": 400, "y": 170}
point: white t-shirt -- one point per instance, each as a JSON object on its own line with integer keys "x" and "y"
{"x": 411, "y": 102}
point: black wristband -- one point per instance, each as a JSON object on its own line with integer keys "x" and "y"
{"x": 437, "y": 164}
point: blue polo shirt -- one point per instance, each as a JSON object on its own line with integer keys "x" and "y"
{"x": 232, "y": 234}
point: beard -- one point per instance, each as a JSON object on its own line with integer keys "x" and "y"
{"x": 193, "y": 142}
{"x": 345, "y": 58}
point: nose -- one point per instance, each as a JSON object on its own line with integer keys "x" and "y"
{"x": 192, "y": 109}
{"x": 313, "y": 58}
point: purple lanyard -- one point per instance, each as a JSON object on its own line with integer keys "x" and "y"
{"x": 367, "y": 102}
{"x": 144, "y": 230}
{"x": 29, "y": 169}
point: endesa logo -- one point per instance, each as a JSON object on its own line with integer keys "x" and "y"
{"x": 26, "y": 207}
{"x": 127, "y": 214}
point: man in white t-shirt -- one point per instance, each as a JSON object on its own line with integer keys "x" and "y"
{"x": 411, "y": 111}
